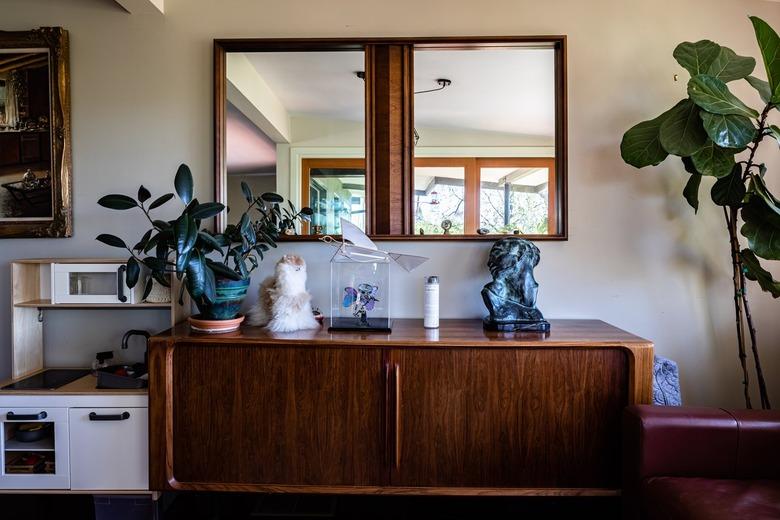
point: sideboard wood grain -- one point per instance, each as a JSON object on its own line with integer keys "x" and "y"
{"x": 457, "y": 410}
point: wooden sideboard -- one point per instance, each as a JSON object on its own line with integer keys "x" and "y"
{"x": 456, "y": 410}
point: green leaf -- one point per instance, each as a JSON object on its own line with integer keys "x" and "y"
{"x": 774, "y": 131}
{"x": 143, "y": 194}
{"x": 641, "y": 145}
{"x": 155, "y": 264}
{"x": 689, "y": 166}
{"x": 116, "y": 201}
{"x": 681, "y": 133}
{"x": 221, "y": 269}
{"x": 186, "y": 232}
{"x": 159, "y": 201}
{"x": 111, "y": 240}
{"x": 196, "y": 276}
{"x": 272, "y": 197}
{"x": 758, "y": 187}
{"x": 761, "y": 228}
{"x": 206, "y": 210}
{"x": 753, "y": 271}
{"x": 210, "y": 285}
{"x": 144, "y": 240}
{"x": 697, "y": 57}
{"x": 769, "y": 43}
{"x": 208, "y": 241}
{"x": 762, "y": 87}
{"x": 247, "y": 191}
{"x": 713, "y": 160}
{"x": 148, "y": 288}
{"x": 728, "y": 66}
{"x": 691, "y": 191}
{"x": 183, "y": 183}
{"x": 714, "y": 96}
{"x": 133, "y": 271}
{"x": 307, "y": 211}
{"x": 729, "y": 190}
{"x": 728, "y": 131}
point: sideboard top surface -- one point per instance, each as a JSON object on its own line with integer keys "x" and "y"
{"x": 410, "y": 332}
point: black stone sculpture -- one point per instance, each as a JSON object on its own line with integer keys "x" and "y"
{"x": 511, "y": 296}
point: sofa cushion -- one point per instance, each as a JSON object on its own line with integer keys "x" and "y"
{"x": 677, "y": 498}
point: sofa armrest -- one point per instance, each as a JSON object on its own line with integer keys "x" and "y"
{"x": 679, "y": 442}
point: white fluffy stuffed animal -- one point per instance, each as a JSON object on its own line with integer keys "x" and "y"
{"x": 284, "y": 304}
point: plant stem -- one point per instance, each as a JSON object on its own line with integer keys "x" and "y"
{"x": 764, "y": 394}
{"x": 731, "y": 223}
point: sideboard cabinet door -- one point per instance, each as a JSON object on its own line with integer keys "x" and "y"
{"x": 503, "y": 417}
{"x": 255, "y": 414}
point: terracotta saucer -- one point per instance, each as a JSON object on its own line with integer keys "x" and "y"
{"x": 205, "y": 326}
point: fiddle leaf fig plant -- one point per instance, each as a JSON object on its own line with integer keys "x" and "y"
{"x": 716, "y": 134}
{"x": 196, "y": 256}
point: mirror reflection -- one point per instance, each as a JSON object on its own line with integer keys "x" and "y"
{"x": 484, "y": 134}
{"x": 25, "y": 141}
{"x": 295, "y": 125}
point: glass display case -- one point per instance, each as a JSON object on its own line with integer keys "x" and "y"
{"x": 360, "y": 292}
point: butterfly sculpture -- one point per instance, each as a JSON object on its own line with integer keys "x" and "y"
{"x": 362, "y": 300}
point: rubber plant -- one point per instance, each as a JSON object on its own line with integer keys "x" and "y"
{"x": 202, "y": 260}
{"x": 717, "y": 135}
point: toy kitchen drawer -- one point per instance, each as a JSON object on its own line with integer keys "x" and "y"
{"x": 92, "y": 284}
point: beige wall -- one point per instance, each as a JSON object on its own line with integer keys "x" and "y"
{"x": 637, "y": 255}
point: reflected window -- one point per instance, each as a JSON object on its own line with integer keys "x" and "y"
{"x": 484, "y": 140}
{"x": 334, "y": 189}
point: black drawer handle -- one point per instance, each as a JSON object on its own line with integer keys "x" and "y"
{"x": 29, "y": 417}
{"x": 118, "y": 417}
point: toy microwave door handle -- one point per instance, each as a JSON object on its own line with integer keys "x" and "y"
{"x": 120, "y": 283}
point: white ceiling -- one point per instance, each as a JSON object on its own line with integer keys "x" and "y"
{"x": 499, "y": 90}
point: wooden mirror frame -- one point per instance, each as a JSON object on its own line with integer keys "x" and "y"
{"x": 389, "y": 107}
{"x": 55, "y": 39}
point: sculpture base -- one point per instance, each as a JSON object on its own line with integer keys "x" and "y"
{"x": 355, "y": 325}
{"x": 516, "y": 325}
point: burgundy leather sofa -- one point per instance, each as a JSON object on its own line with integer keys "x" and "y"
{"x": 700, "y": 463}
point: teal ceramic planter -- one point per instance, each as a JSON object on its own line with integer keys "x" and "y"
{"x": 230, "y": 295}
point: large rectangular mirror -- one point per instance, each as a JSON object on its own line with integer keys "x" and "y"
{"x": 421, "y": 138}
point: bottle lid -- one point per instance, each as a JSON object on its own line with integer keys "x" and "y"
{"x": 432, "y": 279}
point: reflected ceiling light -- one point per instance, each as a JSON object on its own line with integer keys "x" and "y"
{"x": 442, "y": 82}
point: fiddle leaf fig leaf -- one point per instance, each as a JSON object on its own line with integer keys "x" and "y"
{"x": 681, "y": 133}
{"x": 761, "y": 228}
{"x": 691, "y": 191}
{"x": 713, "y": 160}
{"x": 762, "y": 87}
{"x": 183, "y": 183}
{"x": 729, "y": 131}
{"x": 729, "y": 190}
{"x": 753, "y": 271}
{"x": 641, "y": 145}
{"x": 769, "y": 43}
{"x": 774, "y": 131}
{"x": 117, "y": 201}
{"x": 696, "y": 57}
{"x": 728, "y": 66}
{"x": 714, "y": 96}
{"x": 758, "y": 187}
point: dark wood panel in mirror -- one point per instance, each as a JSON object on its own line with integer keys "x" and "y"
{"x": 35, "y": 156}
{"x": 456, "y": 138}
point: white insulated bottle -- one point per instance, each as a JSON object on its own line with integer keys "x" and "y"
{"x": 431, "y": 303}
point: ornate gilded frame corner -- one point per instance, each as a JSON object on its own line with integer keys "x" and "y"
{"x": 55, "y": 39}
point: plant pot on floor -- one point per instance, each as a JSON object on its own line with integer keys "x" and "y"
{"x": 222, "y": 315}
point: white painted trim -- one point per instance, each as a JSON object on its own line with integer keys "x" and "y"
{"x": 142, "y": 6}
{"x": 484, "y": 151}
{"x": 297, "y": 154}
